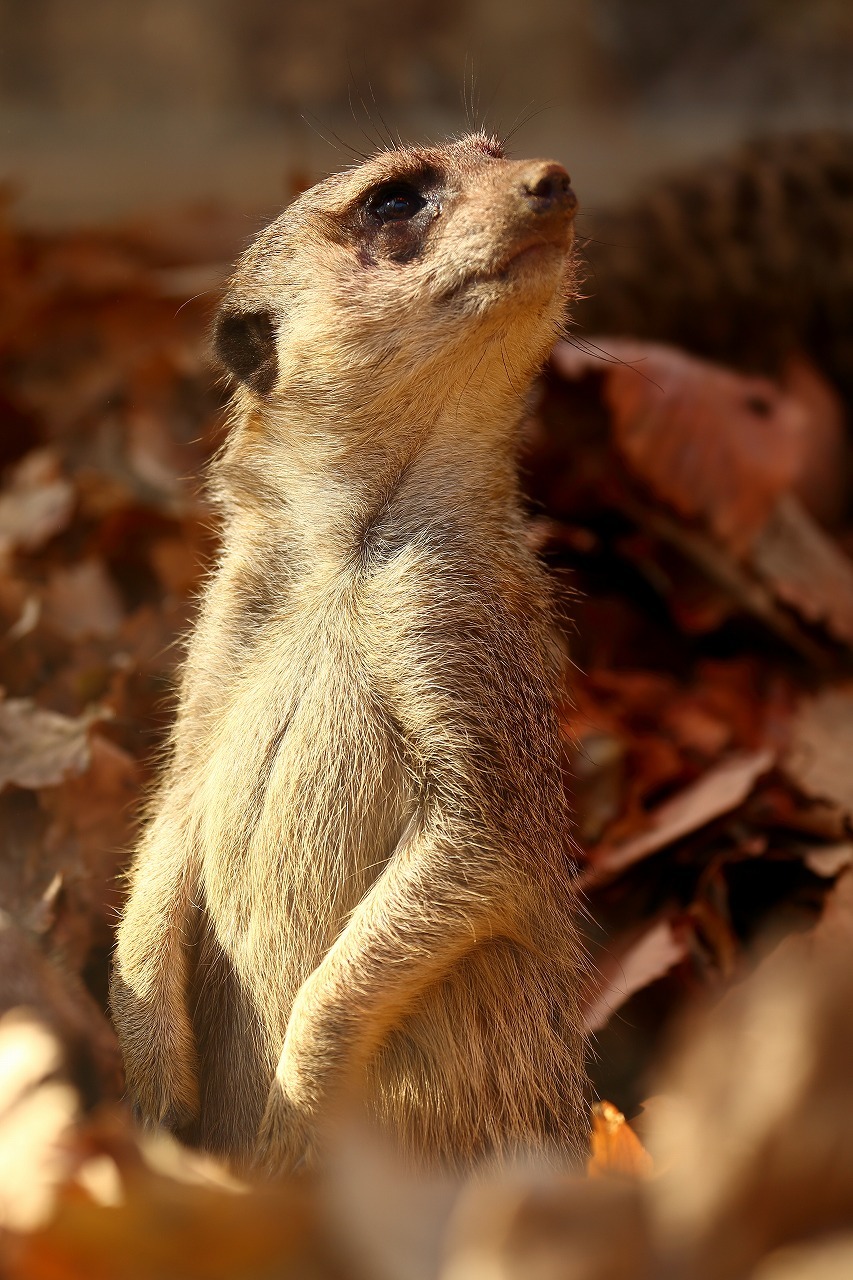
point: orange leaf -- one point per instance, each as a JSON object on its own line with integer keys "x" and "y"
{"x": 616, "y": 1149}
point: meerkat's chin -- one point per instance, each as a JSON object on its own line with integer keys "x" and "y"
{"x": 530, "y": 283}
{"x": 535, "y": 254}
{"x": 535, "y": 266}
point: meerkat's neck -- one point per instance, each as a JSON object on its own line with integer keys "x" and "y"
{"x": 414, "y": 476}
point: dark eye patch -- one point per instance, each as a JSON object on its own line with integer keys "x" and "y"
{"x": 395, "y": 202}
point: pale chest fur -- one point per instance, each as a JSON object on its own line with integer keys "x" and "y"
{"x": 360, "y": 692}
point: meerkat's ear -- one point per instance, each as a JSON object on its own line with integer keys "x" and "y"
{"x": 244, "y": 342}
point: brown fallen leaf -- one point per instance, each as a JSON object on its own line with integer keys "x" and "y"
{"x": 743, "y": 587}
{"x": 824, "y": 483}
{"x": 819, "y": 760}
{"x": 57, "y": 996}
{"x": 625, "y": 971}
{"x": 829, "y": 860}
{"x": 616, "y": 1149}
{"x": 806, "y": 570}
{"x": 717, "y": 792}
{"x": 758, "y": 1128}
{"x": 37, "y": 501}
{"x": 712, "y": 444}
{"x": 82, "y": 601}
{"x": 826, "y": 1259}
{"x": 91, "y": 829}
{"x": 833, "y": 933}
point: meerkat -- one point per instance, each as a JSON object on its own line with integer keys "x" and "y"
{"x": 357, "y": 880}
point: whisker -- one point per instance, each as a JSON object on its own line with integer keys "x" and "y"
{"x": 464, "y": 92}
{"x": 500, "y": 80}
{"x": 548, "y": 106}
{"x": 609, "y": 244}
{"x": 588, "y": 348}
{"x": 396, "y": 142}
{"x": 358, "y": 123}
{"x": 346, "y": 146}
{"x": 194, "y": 298}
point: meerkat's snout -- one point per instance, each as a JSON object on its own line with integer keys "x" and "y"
{"x": 547, "y": 189}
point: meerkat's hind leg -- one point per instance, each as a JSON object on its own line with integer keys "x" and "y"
{"x": 236, "y": 1060}
{"x": 489, "y": 1067}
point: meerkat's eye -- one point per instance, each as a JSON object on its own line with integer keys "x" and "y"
{"x": 395, "y": 202}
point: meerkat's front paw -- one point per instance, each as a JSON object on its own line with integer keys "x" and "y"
{"x": 285, "y": 1139}
{"x": 159, "y": 1059}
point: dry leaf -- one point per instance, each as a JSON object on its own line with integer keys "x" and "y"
{"x": 713, "y": 445}
{"x": 37, "y": 503}
{"x": 758, "y": 1126}
{"x": 819, "y": 760}
{"x": 616, "y": 1149}
{"x": 40, "y": 748}
{"x": 830, "y": 1259}
{"x": 824, "y": 483}
{"x": 829, "y": 860}
{"x": 58, "y": 997}
{"x": 806, "y": 570}
{"x": 82, "y": 601}
{"x": 623, "y": 972}
{"x": 717, "y": 792}
{"x": 834, "y": 931}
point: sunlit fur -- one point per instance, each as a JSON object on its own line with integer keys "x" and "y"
{"x": 356, "y": 881}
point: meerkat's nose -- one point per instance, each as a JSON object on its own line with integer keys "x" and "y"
{"x": 547, "y": 188}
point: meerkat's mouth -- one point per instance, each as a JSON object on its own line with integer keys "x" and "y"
{"x": 529, "y": 250}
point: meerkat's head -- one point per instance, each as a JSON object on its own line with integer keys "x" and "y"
{"x": 406, "y": 272}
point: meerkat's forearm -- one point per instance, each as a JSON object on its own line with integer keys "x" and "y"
{"x": 150, "y": 981}
{"x": 429, "y": 908}
{"x": 435, "y": 901}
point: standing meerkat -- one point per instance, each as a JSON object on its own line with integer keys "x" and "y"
{"x": 357, "y": 877}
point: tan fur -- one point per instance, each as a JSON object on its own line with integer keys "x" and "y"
{"x": 357, "y": 878}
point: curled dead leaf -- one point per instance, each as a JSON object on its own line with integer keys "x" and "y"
{"x": 626, "y": 970}
{"x": 82, "y": 601}
{"x": 819, "y": 760}
{"x": 806, "y": 570}
{"x": 37, "y": 502}
{"x": 829, "y": 860}
{"x": 717, "y": 792}
{"x": 757, "y": 1127}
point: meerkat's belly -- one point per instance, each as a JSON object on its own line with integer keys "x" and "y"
{"x": 312, "y": 797}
